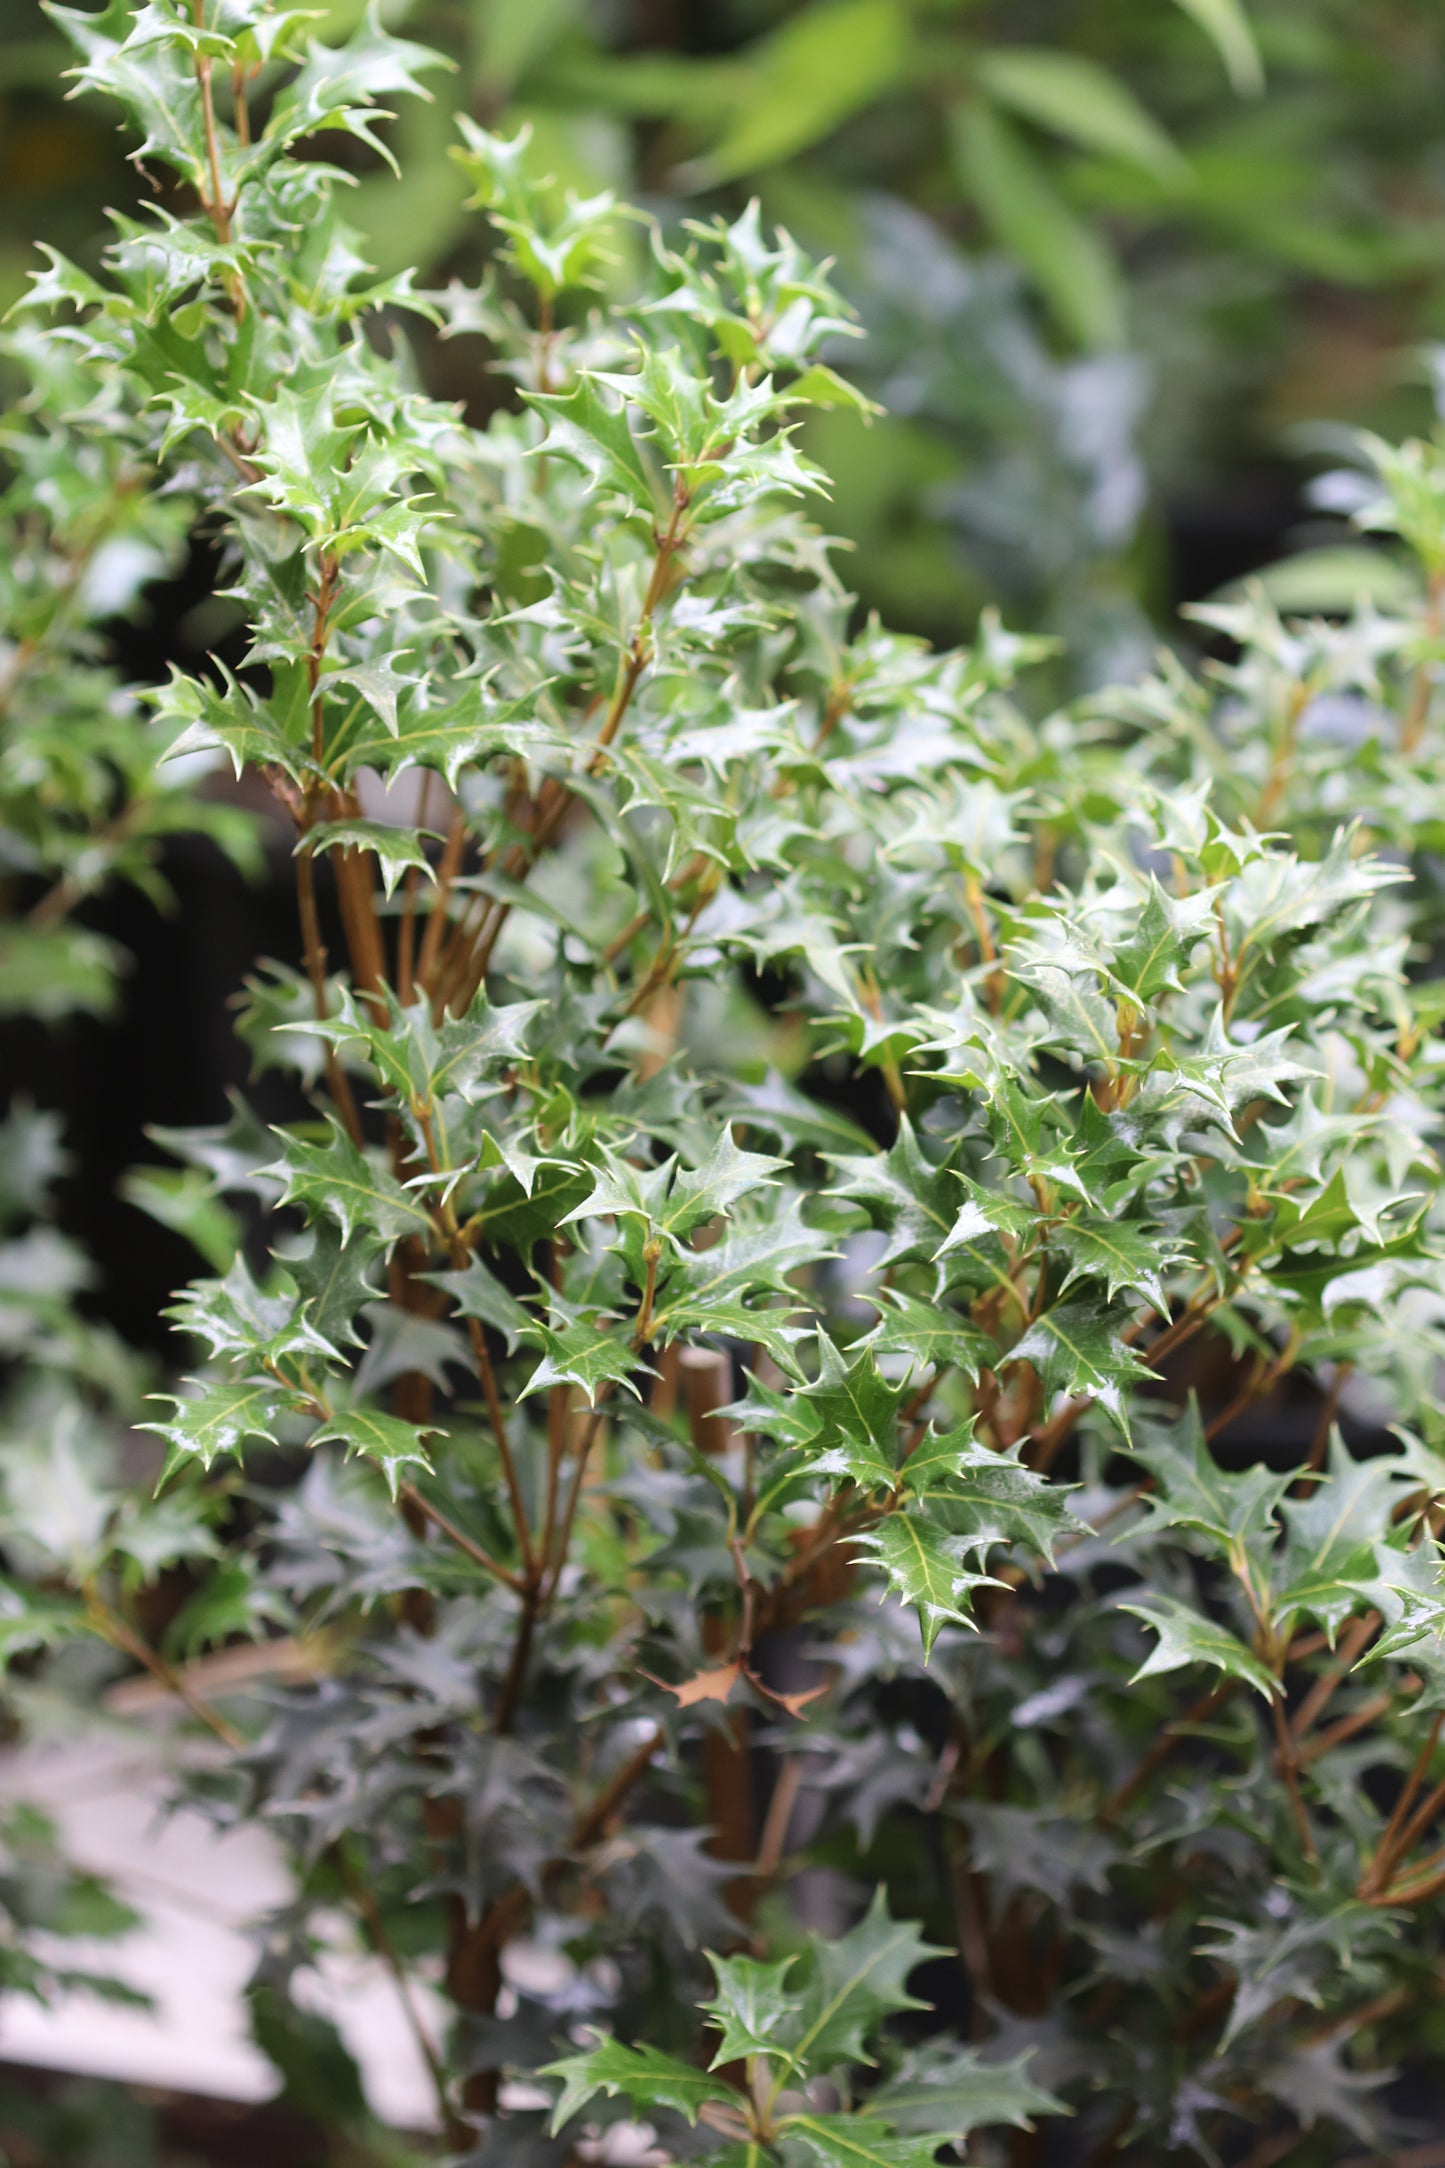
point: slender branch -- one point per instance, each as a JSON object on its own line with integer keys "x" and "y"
{"x": 1409, "y": 1835}
{"x": 482, "y": 1362}
{"x": 778, "y": 1819}
{"x": 461, "y": 1539}
{"x": 214, "y": 205}
{"x": 509, "y": 1700}
{"x": 448, "y": 868}
{"x": 1353, "y": 2021}
{"x": 1417, "y": 708}
{"x": 624, "y": 940}
{"x": 337, "y": 1081}
{"x": 574, "y": 1493}
{"x": 651, "y": 1253}
{"x": 1289, "y": 1764}
{"x": 664, "y": 963}
{"x": 1171, "y": 1737}
{"x": 994, "y": 985}
{"x": 1284, "y": 752}
{"x": 217, "y": 209}
{"x": 411, "y": 890}
{"x": 1352, "y": 1642}
{"x": 354, "y": 873}
{"x": 1263, "y": 1378}
{"x": 359, "y": 1891}
{"x": 1425, "y": 1880}
{"x": 61, "y": 899}
{"x": 593, "y": 1823}
{"x": 1393, "y": 1841}
{"x": 1329, "y": 1409}
{"x": 21, "y": 656}
{"x": 113, "y": 1628}
{"x": 1046, "y": 1443}
{"x": 240, "y": 81}
{"x": 554, "y": 802}
{"x": 1335, "y": 1734}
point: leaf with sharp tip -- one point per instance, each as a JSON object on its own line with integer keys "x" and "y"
{"x": 1078, "y": 1350}
{"x": 385, "y": 1439}
{"x": 856, "y": 2141}
{"x": 856, "y": 1411}
{"x": 220, "y": 1418}
{"x": 587, "y": 429}
{"x": 925, "y": 1569}
{"x": 985, "y": 1496}
{"x": 396, "y": 850}
{"x": 750, "y": 2005}
{"x": 853, "y": 1983}
{"x": 589, "y": 1352}
{"x": 479, "y": 1293}
{"x": 644, "y": 2076}
{"x": 952, "y": 2091}
{"x": 1186, "y": 1637}
{"x": 338, "y": 1179}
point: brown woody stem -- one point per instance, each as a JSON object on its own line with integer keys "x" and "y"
{"x": 109, "y": 1624}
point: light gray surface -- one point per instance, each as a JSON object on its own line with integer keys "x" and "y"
{"x": 199, "y": 1892}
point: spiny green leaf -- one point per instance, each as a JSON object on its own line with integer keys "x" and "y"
{"x": 235, "y": 1317}
{"x": 853, "y": 1983}
{"x": 1187, "y": 1637}
{"x": 590, "y": 1352}
{"x": 985, "y": 1496}
{"x": 925, "y": 1569}
{"x": 393, "y": 1444}
{"x": 857, "y": 2141}
{"x": 856, "y": 1417}
{"x": 477, "y": 1292}
{"x": 31, "y": 1620}
{"x": 332, "y": 1279}
{"x": 749, "y": 2007}
{"x": 904, "y": 1193}
{"x": 219, "y": 1419}
{"x": 951, "y": 2091}
{"x": 643, "y": 2075}
{"x": 593, "y": 433}
{"x": 396, "y": 850}
{"x": 466, "y": 732}
{"x": 1331, "y": 1529}
{"x": 1118, "y": 1252}
{"x": 338, "y": 1179}
{"x": 1076, "y": 1350}
{"x": 929, "y": 1335}
{"x": 1192, "y": 1490}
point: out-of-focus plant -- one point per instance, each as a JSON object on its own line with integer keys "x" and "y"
{"x": 800, "y": 1173}
{"x": 83, "y": 806}
{"x": 1244, "y": 200}
{"x": 1089, "y": 245}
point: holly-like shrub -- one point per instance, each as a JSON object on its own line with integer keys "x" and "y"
{"x": 838, "y": 1364}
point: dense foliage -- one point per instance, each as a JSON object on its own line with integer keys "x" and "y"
{"x": 1091, "y": 245}
{"x": 739, "y": 1371}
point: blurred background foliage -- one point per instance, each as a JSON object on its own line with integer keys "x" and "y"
{"x": 1112, "y": 256}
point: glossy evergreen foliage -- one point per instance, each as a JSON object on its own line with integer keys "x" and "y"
{"x": 1110, "y": 258}
{"x": 734, "y": 1373}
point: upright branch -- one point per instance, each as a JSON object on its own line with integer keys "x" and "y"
{"x": 904, "y": 1146}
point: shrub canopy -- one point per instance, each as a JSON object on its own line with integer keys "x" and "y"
{"x": 739, "y": 1373}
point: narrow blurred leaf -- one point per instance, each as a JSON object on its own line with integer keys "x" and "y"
{"x": 1067, "y": 260}
{"x": 1227, "y": 25}
{"x": 1081, "y": 101}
